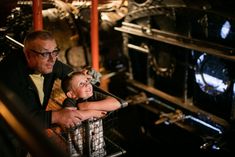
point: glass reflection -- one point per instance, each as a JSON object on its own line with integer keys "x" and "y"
{"x": 211, "y": 75}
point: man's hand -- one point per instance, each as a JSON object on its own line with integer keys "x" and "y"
{"x": 67, "y": 118}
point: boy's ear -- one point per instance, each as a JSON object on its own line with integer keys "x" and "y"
{"x": 70, "y": 94}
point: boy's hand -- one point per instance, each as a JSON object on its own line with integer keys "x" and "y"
{"x": 96, "y": 76}
{"x": 98, "y": 114}
{"x": 92, "y": 114}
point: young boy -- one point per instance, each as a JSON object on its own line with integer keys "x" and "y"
{"x": 86, "y": 139}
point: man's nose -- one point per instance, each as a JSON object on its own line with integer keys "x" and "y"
{"x": 51, "y": 57}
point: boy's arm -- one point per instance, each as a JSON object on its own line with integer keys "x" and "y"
{"x": 86, "y": 114}
{"x": 107, "y": 104}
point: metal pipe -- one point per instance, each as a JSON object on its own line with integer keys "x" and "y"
{"x": 37, "y": 15}
{"x": 14, "y": 41}
{"x": 94, "y": 35}
{"x": 138, "y": 48}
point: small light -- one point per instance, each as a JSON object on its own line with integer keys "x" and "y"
{"x": 225, "y": 29}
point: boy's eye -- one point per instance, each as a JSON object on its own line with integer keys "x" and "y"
{"x": 82, "y": 84}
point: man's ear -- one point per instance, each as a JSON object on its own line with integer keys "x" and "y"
{"x": 26, "y": 53}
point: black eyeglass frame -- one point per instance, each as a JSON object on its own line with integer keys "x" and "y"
{"x": 54, "y": 53}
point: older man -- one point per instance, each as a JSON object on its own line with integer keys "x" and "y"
{"x": 31, "y": 74}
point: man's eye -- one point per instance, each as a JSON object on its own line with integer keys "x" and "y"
{"x": 45, "y": 54}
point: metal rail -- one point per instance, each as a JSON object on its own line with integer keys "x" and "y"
{"x": 178, "y": 40}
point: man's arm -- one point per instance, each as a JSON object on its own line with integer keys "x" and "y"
{"x": 68, "y": 117}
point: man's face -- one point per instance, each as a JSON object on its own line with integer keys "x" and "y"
{"x": 41, "y": 55}
{"x": 82, "y": 87}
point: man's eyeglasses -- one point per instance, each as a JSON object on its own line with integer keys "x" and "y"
{"x": 45, "y": 55}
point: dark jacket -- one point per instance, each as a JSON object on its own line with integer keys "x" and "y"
{"x": 15, "y": 75}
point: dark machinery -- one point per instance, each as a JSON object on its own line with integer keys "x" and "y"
{"x": 181, "y": 56}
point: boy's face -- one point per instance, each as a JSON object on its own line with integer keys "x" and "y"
{"x": 81, "y": 87}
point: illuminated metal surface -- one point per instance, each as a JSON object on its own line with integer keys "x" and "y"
{"x": 204, "y": 123}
